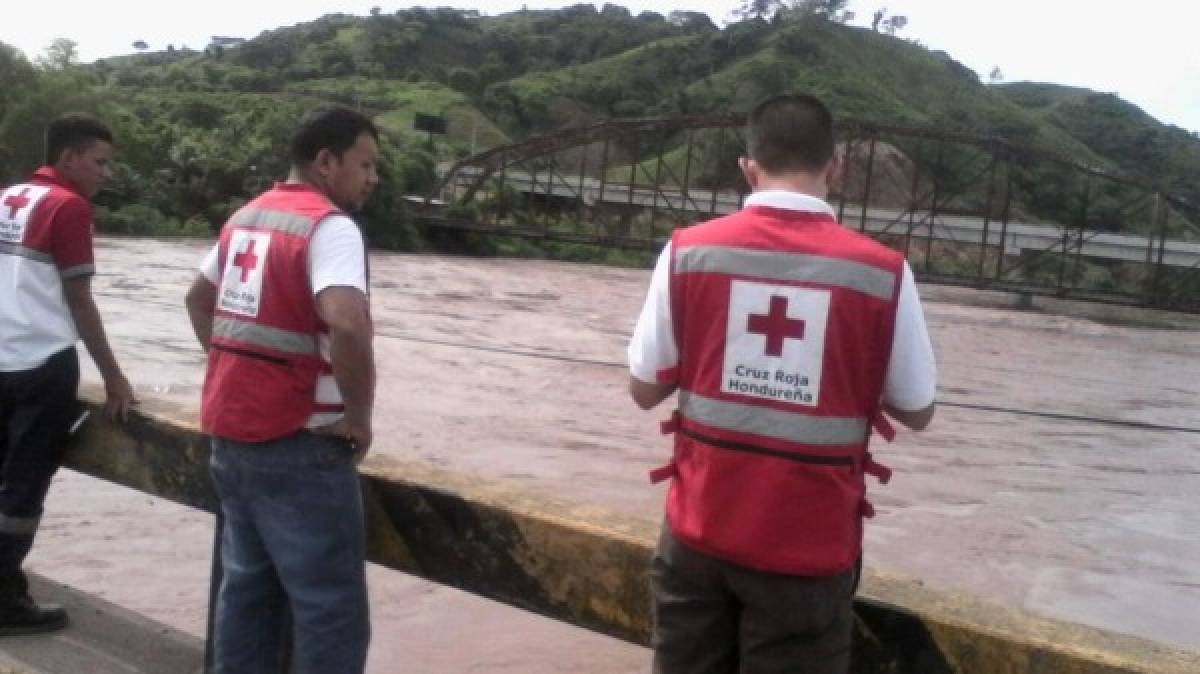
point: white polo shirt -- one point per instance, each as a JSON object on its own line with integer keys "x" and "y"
{"x": 911, "y": 382}
{"x": 336, "y": 257}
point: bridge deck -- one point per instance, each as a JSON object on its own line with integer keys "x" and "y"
{"x": 102, "y": 638}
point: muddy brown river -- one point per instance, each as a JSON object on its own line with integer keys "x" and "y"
{"x": 513, "y": 370}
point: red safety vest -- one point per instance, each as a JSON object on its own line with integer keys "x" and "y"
{"x": 784, "y": 322}
{"x": 264, "y": 359}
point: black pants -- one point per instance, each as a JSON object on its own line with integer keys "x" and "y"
{"x": 37, "y": 408}
{"x": 715, "y": 617}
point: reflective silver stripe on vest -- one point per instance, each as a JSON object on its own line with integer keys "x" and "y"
{"x": 265, "y": 336}
{"x": 21, "y": 251}
{"x": 78, "y": 270}
{"x": 773, "y": 423}
{"x": 19, "y": 525}
{"x": 778, "y": 266}
{"x": 280, "y": 221}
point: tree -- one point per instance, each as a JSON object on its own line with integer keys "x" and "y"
{"x": 798, "y": 10}
{"x": 464, "y": 80}
{"x": 60, "y": 55}
{"x": 691, "y": 22}
{"x": 877, "y": 18}
{"x": 834, "y": 10}
{"x": 16, "y": 75}
{"x": 996, "y": 77}
{"x": 18, "y": 78}
{"x": 758, "y": 9}
{"x": 770, "y": 76}
{"x": 895, "y": 24}
{"x": 141, "y": 45}
{"x": 23, "y": 127}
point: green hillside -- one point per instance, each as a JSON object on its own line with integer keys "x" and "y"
{"x": 1120, "y": 132}
{"x": 201, "y": 131}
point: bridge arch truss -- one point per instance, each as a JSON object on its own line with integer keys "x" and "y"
{"x": 965, "y": 209}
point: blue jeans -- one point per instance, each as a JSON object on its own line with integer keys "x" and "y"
{"x": 293, "y": 537}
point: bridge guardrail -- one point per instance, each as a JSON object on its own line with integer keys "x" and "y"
{"x": 587, "y": 566}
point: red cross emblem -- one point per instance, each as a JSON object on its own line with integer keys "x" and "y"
{"x": 776, "y": 326}
{"x": 247, "y": 261}
{"x": 16, "y": 202}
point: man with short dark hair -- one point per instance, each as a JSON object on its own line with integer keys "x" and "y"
{"x": 281, "y": 306}
{"x": 46, "y": 305}
{"x": 787, "y": 337}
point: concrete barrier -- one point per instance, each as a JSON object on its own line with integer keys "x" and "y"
{"x": 587, "y": 566}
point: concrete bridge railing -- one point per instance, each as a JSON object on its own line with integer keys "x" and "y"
{"x": 584, "y": 565}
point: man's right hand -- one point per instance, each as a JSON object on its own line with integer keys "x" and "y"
{"x": 119, "y": 397}
{"x": 358, "y": 433}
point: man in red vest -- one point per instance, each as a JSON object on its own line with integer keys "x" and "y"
{"x": 787, "y": 337}
{"x": 281, "y": 306}
{"x": 46, "y": 305}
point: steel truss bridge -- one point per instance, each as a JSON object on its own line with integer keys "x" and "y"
{"x": 966, "y": 210}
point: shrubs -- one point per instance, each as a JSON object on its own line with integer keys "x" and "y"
{"x": 140, "y": 220}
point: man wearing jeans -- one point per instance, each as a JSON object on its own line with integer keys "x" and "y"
{"x": 787, "y": 337}
{"x": 46, "y": 305}
{"x": 281, "y": 307}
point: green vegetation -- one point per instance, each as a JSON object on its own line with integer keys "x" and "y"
{"x": 202, "y": 131}
{"x": 1126, "y": 137}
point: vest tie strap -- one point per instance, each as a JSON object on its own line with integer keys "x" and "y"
{"x": 883, "y": 426}
{"x": 865, "y": 509}
{"x": 671, "y": 425}
{"x": 664, "y": 473}
{"x": 668, "y": 427}
{"x": 877, "y": 470}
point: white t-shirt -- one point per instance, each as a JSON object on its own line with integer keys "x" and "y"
{"x": 911, "y": 382}
{"x": 335, "y": 258}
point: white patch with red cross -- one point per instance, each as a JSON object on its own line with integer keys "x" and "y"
{"x": 241, "y": 284}
{"x": 17, "y": 203}
{"x": 775, "y": 342}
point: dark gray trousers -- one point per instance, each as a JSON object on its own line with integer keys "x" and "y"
{"x": 716, "y": 617}
{"x": 36, "y": 410}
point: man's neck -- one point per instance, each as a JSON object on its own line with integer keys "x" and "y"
{"x": 803, "y": 183}
{"x": 299, "y": 177}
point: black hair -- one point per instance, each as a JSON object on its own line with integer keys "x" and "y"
{"x": 331, "y": 127}
{"x": 73, "y": 131}
{"x": 790, "y": 132}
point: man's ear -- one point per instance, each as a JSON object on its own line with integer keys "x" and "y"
{"x": 66, "y": 158}
{"x": 324, "y": 162}
{"x": 749, "y": 170}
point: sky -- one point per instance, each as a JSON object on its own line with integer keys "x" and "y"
{"x": 1146, "y": 54}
